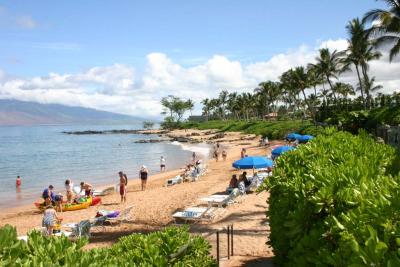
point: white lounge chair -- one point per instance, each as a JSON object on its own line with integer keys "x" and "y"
{"x": 221, "y": 200}
{"x": 176, "y": 180}
{"x": 195, "y": 214}
{"x": 124, "y": 216}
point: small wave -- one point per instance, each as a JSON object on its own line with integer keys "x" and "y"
{"x": 200, "y": 149}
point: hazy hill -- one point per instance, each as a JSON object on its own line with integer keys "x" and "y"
{"x": 14, "y": 112}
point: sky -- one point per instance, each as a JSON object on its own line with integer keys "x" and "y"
{"x": 124, "y": 56}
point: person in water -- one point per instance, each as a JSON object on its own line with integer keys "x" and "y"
{"x": 87, "y": 188}
{"x": 122, "y": 186}
{"x": 143, "y": 174}
{"x": 162, "y": 164}
{"x": 18, "y": 182}
{"x": 50, "y": 219}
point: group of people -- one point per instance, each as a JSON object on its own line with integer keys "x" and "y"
{"x": 53, "y": 200}
{"x": 143, "y": 175}
{"x": 240, "y": 183}
{"x": 50, "y": 198}
{"x": 217, "y": 152}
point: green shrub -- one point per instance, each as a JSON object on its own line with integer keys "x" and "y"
{"x": 152, "y": 249}
{"x": 336, "y": 202}
{"x": 272, "y": 129}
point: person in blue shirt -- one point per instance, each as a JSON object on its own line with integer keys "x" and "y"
{"x": 48, "y": 195}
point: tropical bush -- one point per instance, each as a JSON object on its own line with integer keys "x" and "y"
{"x": 336, "y": 202}
{"x": 154, "y": 249}
{"x": 271, "y": 129}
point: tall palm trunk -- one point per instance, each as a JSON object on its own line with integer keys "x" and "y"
{"x": 330, "y": 84}
{"x": 361, "y": 85}
{"x": 366, "y": 78}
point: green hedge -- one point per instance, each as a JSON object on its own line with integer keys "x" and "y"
{"x": 272, "y": 129}
{"x": 134, "y": 250}
{"x": 336, "y": 202}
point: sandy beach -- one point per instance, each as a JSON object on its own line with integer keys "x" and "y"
{"x": 153, "y": 208}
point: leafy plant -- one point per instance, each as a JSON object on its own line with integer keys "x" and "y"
{"x": 336, "y": 202}
{"x": 153, "y": 249}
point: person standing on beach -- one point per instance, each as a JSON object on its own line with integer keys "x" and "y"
{"x": 216, "y": 155}
{"x": 69, "y": 188}
{"x": 87, "y": 187}
{"x": 143, "y": 174}
{"x": 194, "y": 156}
{"x": 162, "y": 163}
{"x": 224, "y": 154}
{"x": 18, "y": 182}
{"x": 122, "y": 186}
{"x": 243, "y": 153}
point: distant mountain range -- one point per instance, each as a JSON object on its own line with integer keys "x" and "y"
{"x": 15, "y": 112}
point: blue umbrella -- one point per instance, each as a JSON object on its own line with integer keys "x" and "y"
{"x": 282, "y": 149}
{"x": 305, "y": 138}
{"x": 253, "y": 163}
{"x": 292, "y": 136}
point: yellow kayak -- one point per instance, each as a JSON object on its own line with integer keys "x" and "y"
{"x": 69, "y": 207}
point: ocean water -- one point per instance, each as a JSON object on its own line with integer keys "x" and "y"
{"x": 43, "y": 155}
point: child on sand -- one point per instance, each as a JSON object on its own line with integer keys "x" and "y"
{"x": 50, "y": 219}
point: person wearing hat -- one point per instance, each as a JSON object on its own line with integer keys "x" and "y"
{"x": 143, "y": 174}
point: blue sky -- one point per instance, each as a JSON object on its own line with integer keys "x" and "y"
{"x": 69, "y": 36}
{"x": 124, "y": 56}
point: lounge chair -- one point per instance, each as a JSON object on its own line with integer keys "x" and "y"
{"x": 195, "y": 214}
{"x": 221, "y": 200}
{"x": 176, "y": 180}
{"x": 124, "y": 216}
{"x": 97, "y": 222}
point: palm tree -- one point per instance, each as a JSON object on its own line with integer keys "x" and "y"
{"x": 344, "y": 89}
{"x": 328, "y": 65}
{"x": 223, "y": 98}
{"x": 360, "y": 51}
{"x": 270, "y": 92}
{"x": 206, "y": 107}
{"x": 369, "y": 85}
{"x": 385, "y": 26}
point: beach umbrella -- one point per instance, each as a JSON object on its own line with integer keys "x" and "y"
{"x": 282, "y": 149}
{"x": 292, "y": 136}
{"x": 305, "y": 138}
{"x": 253, "y": 163}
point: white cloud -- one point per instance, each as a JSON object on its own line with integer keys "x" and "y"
{"x": 117, "y": 87}
{"x": 26, "y": 22}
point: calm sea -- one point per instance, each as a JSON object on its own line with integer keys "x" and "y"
{"x": 43, "y": 155}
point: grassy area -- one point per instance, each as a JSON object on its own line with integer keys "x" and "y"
{"x": 272, "y": 129}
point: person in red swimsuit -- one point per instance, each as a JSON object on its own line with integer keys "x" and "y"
{"x": 18, "y": 182}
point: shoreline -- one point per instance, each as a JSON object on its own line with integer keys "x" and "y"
{"x": 153, "y": 208}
